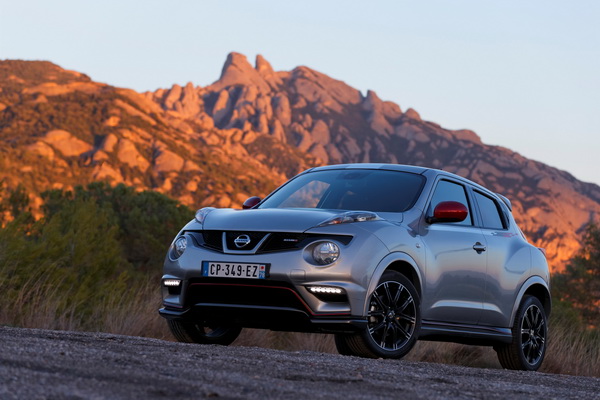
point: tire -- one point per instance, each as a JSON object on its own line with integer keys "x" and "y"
{"x": 341, "y": 344}
{"x": 189, "y": 332}
{"x": 530, "y": 338}
{"x": 393, "y": 321}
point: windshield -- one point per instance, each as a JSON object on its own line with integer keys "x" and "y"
{"x": 360, "y": 190}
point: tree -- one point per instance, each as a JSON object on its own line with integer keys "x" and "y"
{"x": 147, "y": 221}
{"x": 94, "y": 250}
{"x": 16, "y": 203}
{"x": 71, "y": 260}
{"x": 579, "y": 284}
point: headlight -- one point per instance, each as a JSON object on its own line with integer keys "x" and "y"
{"x": 326, "y": 253}
{"x": 350, "y": 216}
{"x": 202, "y": 213}
{"x": 178, "y": 247}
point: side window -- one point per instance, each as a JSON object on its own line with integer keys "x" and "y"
{"x": 490, "y": 212}
{"x": 450, "y": 191}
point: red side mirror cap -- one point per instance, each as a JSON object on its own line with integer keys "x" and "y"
{"x": 251, "y": 202}
{"x": 449, "y": 211}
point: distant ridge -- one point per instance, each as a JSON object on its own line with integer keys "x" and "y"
{"x": 249, "y": 131}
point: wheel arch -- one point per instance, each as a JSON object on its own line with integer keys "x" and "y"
{"x": 535, "y": 286}
{"x": 399, "y": 262}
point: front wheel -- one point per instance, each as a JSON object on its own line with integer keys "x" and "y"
{"x": 393, "y": 321}
{"x": 530, "y": 337}
{"x": 190, "y": 332}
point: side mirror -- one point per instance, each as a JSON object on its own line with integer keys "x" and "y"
{"x": 251, "y": 202}
{"x": 449, "y": 211}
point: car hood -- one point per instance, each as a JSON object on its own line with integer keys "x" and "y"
{"x": 270, "y": 219}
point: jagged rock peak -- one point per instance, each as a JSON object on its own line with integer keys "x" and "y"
{"x": 263, "y": 66}
{"x": 238, "y": 71}
{"x": 371, "y": 101}
{"x": 235, "y": 62}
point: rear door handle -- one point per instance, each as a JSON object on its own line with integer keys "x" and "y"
{"x": 478, "y": 247}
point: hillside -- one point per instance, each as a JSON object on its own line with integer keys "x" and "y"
{"x": 246, "y": 133}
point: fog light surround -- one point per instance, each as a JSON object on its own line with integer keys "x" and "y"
{"x": 171, "y": 287}
{"x": 325, "y": 253}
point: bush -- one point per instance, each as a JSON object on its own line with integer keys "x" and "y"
{"x": 92, "y": 262}
{"x": 147, "y": 221}
{"x": 579, "y": 284}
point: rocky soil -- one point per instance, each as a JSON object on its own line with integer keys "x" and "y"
{"x": 42, "y": 364}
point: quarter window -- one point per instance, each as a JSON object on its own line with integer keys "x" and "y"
{"x": 450, "y": 191}
{"x": 490, "y": 212}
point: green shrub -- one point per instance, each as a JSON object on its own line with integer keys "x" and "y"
{"x": 96, "y": 253}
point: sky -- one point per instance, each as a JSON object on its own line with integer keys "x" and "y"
{"x": 522, "y": 74}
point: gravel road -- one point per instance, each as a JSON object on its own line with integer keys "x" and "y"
{"x": 42, "y": 364}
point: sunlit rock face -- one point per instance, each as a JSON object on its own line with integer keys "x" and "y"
{"x": 247, "y": 133}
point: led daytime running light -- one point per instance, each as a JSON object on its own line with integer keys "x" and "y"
{"x": 172, "y": 282}
{"x": 326, "y": 289}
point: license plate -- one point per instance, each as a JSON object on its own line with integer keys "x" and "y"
{"x": 234, "y": 270}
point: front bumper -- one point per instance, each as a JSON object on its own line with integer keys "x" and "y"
{"x": 273, "y": 318}
{"x": 274, "y": 305}
{"x": 282, "y": 301}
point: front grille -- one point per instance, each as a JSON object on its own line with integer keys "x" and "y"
{"x": 255, "y": 237}
{"x": 277, "y": 241}
{"x": 213, "y": 239}
{"x": 262, "y": 294}
{"x": 283, "y": 241}
{"x": 290, "y": 241}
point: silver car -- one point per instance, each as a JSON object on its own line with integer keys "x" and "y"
{"x": 379, "y": 255}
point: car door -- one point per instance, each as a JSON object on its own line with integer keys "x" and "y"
{"x": 508, "y": 260}
{"x": 454, "y": 284}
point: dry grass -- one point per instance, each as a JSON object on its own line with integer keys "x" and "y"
{"x": 571, "y": 351}
{"x": 38, "y": 305}
{"x": 135, "y": 315}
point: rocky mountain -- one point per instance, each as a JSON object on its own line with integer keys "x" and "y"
{"x": 249, "y": 131}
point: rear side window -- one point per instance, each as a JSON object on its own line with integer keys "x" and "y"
{"x": 490, "y": 212}
{"x": 450, "y": 191}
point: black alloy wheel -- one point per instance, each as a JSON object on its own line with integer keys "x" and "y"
{"x": 533, "y": 334}
{"x": 393, "y": 321}
{"x": 530, "y": 337}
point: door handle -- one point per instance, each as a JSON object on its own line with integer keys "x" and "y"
{"x": 478, "y": 247}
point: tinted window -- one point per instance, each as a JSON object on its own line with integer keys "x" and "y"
{"x": 489, "y": 212}
{"x": 308, "y": 196}
{"x": 450, "y": 191}
{"x": 366, "y": 190}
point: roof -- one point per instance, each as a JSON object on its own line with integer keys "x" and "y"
{"x": 390, "y": 167}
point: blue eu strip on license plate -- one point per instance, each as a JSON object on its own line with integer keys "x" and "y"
{"x": 234, "y": 270}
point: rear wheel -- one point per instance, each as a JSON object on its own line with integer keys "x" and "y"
{"x": 530, "y": 334}
{"x": 393, "y": 321}
{"x": 190, "y": 332}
